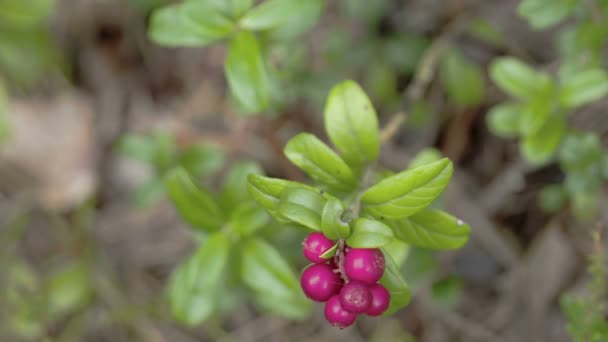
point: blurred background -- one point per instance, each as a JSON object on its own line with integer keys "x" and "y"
{"x": 93, "y": 113}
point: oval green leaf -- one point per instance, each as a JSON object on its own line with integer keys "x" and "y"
{"x": 320, "y": 162}
{"x": 266, "y": 191}
{"x": 201, "y": 160}
{"x": 369, "y": 234}
{"x": 274, "y": 14}
{"x": 503, "y": 119}
{"x": 540, "y": 147}
{"x": 518, "y": 79}
{"x": 248, "y": 218}
{"x": 232, "y": 194}
{"x": 431, "y": 228}
{"x": 194, "y": 285}
{"x": 405, "y": 193}
{"x": 583, "y": 87}
{"x": 351, "y": 123}
{"x": 332, "y": 225}
{"x": 302, "y": 206}
{"x": 395, "y": 284}
{"x": 194, "y": 204}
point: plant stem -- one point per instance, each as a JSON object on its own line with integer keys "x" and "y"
{"x": 339, "y": 258}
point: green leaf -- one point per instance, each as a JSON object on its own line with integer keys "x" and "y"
{"x": 396, "y": 286}
{"x": 192, "y": 23}
{"x": 248, "y": 218}
{"x": 518, "y": 79}
{"x": 408, "y": 192}
{"x": 68, "y": 290}
{"x": 503, "y": 119}
{"x": 447, "y": 292}
{"x": 486, "y": 31}
{"x": 462, "y": 80}
{"x": 246, "y": 73}
{"x": 138, "y": 147}
{"x": 545, "y": 13}
{"x": 425, "y": 156}
{"x": 332, "y": 225}
{"x": 201, "y": 160}
{"x": 330, "y": 252}
{"x": 308, "y": 15}
{"x": 432, "y": 228}
{"x": 369, "y": 234}
{"x": 25, "y": 14}
{"x": 232, "y": 193}
{"x": 195, "y": 284}
{"x": 320, "y": 162}
{"x": 535, "y": 114}
{"x": 398, "y": 250}
{"x": 583, "y": 87}
{"x": 352, "y": 124}
{"x": 302, "y": 206}
{"x": 4, "y": 124}
{"x": 540, "y": 147}
{"x": 266, "y": 191}
{"x": 273, "y": 14}
{"x": 195, "y": 205}
{"x": 553, "y": 197}
{"x": 148, "y": 193}
{"x": 265, "y": 271}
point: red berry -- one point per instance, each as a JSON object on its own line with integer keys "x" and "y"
{"x": 315, "y": 245}
{"x": 364, "y": 264}
{"x": 355, "y": 297}
{"x": 380, "y": 300}
{"x": 319, "y": 282}
{"x": 337, "y": 315}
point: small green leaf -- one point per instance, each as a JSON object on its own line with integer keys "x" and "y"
{"x": 540, "y": 147}
{"x": 330, "y": 252}
{"x": 545, "y": 13}
{"x": 320, "y": 162}
{"x": 201, "y": 160}
{"x": 425, "y": 156}
{"x": 447, "y": 292}
{"x": 553, "y": 197}
{"x": 332, "y": 225}
{"x": 265, "y": 271}
{"x": 408, "y": 192}
{"x": 68, "y": 290}
{"x": 518, "y": 79}
{"x": 195, "y": 284}
{"x": 273, "y": 14}
{"x": 138, "y": 147}
{"x": 503, "y": 119}
{"x": 248, "y": 218}
{"x": 148, "y": 193}
{"x": 195, "y": 205}
{"x": 583, "y": 87}
{"x": 352, "y": 124}
{"x": 431, "y": 228}
{"x": 4, "y": 124}
{"x": 308, "y": 15}
{"x": 398, "y": 250}
{"x": 232, "y": 193}
{"x": 462, "y": 80}
{"x": 192, "y": 23}
{"x": 25, "y": 14}
{"x": 266, "y": 191}
{"x": 302, "y": 206}
{"x": 396, "y": 286}
{"x": 535, "y": 114}
{"x": 247, "y": 74}
{"x": 369, "y": 234}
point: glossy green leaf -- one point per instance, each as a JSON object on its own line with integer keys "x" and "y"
{"x": 302, "y": 206}
{"x": 332, "y": 225}
{"x": 545, "y": 13}
{"x": 201, "y": 160}
{"x": 369, "y": 234}
{"x": 552, "y": 197}
{"x": 248, "y": 218}
{"x": 583, "y": 87}
{"x": 149, "y": 192}
{"x": 273, "y": 14}
{"x": 266, "y": 191}
{"x": 540, "y": 147}
{"x": 395, "y": 284}
{"x": 233, "y": 191}
{"x": 265, "y": 271}
{"x": 330, "y": 252}
{"x": 518, "y": 79}
{"x": 398, "y": 250}
{"x": 580, "y": 151}
{"x": 320, "y": 162}
{"x": 462, "y": 80}
{"x": 192, "y": 23}
{"x": 247, "y": 74}
{"x": 308, "y": 15}
{"x": 425, "y": 156}
{"x": 68, "y": 289}
{"x": 503, "y": 119}
{"x": 352, "y": 124}
{"x": 194, "y": 286}
{"x": 408, "y": 192}
{"x": 432, "y": 228}
{"x": 535, "y": 114}
{"x": 194, "y": 204}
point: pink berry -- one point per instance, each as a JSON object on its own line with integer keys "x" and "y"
{"x": 315, "y": 245}
{"x": 319, "y": 282}
{"x": 355, "y": 297}
{"x": 364, "y": 264}
{"x": 337, "y": 315}
{"x": 380, "y": 300}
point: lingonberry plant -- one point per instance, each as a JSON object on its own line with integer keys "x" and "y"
{"x": 538, "y": 113}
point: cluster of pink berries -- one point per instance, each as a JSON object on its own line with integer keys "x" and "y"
{"x": 348, "y": 282}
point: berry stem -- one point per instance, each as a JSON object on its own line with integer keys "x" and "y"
{"x": 340, "y": 260}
